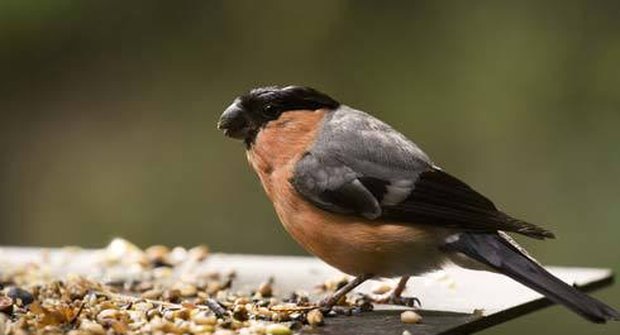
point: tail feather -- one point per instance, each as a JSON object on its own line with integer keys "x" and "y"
{"x": 503, "y": 256}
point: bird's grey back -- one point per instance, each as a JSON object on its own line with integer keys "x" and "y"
{"x": 367, "y": 144}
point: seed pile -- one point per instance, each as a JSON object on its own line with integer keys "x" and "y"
{"x": 157, "y": 290}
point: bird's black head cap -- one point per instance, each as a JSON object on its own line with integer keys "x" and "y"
{"x": 249, "y": 112}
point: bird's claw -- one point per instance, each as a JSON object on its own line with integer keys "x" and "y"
{"x": 325, "y": 309}
{"x": 329, "y": 308}
{"x": 342, "y": 310}
{"x": 399, "y": 301}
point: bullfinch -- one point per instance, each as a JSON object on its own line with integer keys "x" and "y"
{"x": 367, "y": 200}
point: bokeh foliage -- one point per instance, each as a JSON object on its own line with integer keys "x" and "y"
{"x": 108, "y": 112}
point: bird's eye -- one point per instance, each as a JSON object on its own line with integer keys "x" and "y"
{"x": 269, "y": 110}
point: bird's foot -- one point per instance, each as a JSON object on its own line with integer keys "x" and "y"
{"x": 339, "y": 297}
{"x": 326, "y": 305}
{"x": 392, "y": 299}
{"x": 329, "y": 307}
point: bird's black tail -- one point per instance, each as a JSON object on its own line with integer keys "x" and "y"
{"x": 503, "y": 256}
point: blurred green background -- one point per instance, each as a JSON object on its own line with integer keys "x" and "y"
{"x": 108, "y": 113}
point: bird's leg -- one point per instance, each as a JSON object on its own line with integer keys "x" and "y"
{"x": 402, "y": 285}
{"x": 329, "y": 302}
{"x": 396, "y": 298}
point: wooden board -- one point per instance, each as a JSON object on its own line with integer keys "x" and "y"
{"x": 449, "y": 297}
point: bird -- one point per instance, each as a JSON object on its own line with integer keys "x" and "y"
{"x": 364, "y": 198}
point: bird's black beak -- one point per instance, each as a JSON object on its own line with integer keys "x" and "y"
{"x": 234, "y": 122}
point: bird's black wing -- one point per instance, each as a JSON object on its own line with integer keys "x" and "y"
{"x": 361, "y": 166}
{"x": 441, "y": 199}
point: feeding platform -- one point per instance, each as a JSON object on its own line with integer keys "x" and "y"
{"x": 454, "y": 301}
